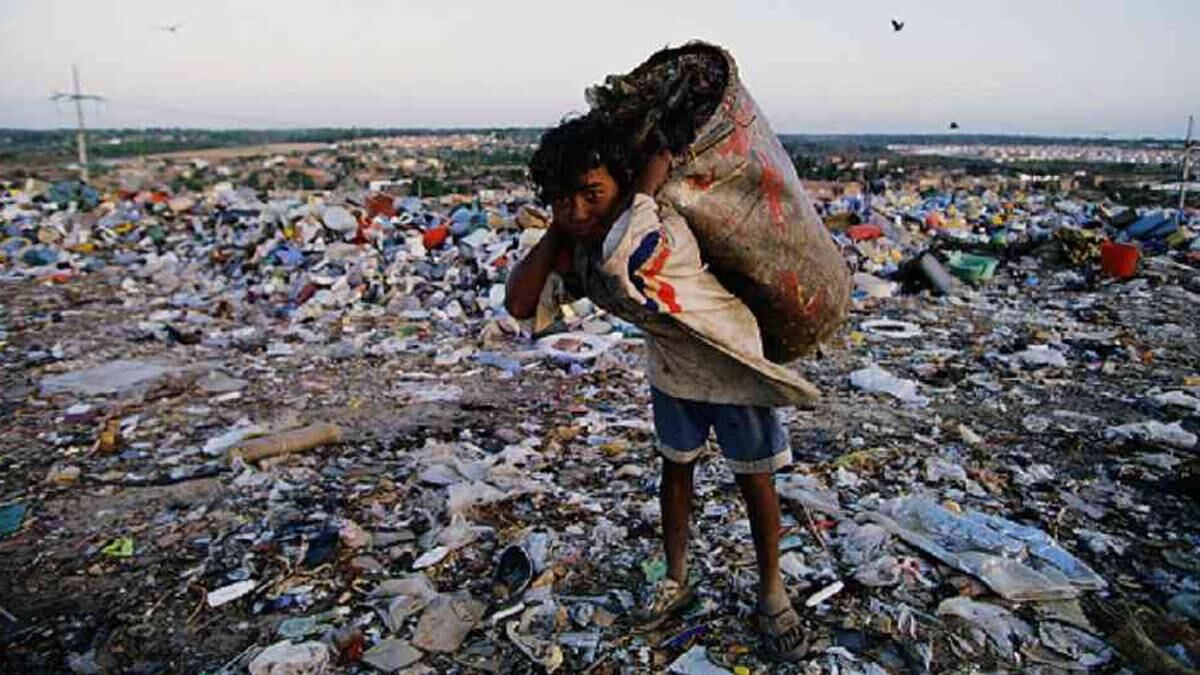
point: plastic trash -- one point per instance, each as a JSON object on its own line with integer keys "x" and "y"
{"x": 938, "y": 469}
{"x": 695, "y": 662}
{"x": 1001, "y": 627}
{"x": 1041, "y": 355}
{"x": 873, "y": 287}
{"x": 1016, "y": 561}
{"x": 64, "y": 475}
{"x": 227, "y": 594}
{"x": 339, "y": 219}
{"x": 38, "y": 256}
{"x": 115, "y": 377}
{"x": 654, "y": 570}
{"x": 888, "y": 328}
{"x": 865, "y": 232}
{"x": 879, "y": 573}
{"x": 809, "y": 492}
{"x": 217, "y": 382}
{"x": 391, "y": 655}
{"x": 1082, "y": 647}
{"x": 969, "y": 267}
{"x": 1177, "y": 399}
{"x": 121, "y": 547}
{"x": 299, "y": 627}
{"x": 1186, "y": 604}
{"x": 1035, "y": 424}
{"x": 876, "y": 380}
{"x": 11, "y": 518}
{"x": 463, "y": 497}
{"x": 533, "y": 636}
{"x": 435, "y": 236}
{"x": 824, "y": 594}
{"x": 860, "y": 544}
{"x": 792, "y": 566}
{"x": 1119, "y": 260}
{"x": 505, "y": 363}
{"x": 574, "y": 347}
{"x": 352, "y": 535}
{"x": 218, "y": 445}
{"x": 446, "y": 622}
{"x": 935, "y": 274}
{"x": 406, "y": 597}
{"x": 431, "y": 557}
{"x": 285, "y": 658}
{"x": 1153, "y": 431}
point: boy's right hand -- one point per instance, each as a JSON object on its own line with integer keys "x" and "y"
{"x": 654, "y": 174}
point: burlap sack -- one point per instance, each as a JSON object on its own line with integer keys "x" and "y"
{"x": 758, "y": 231}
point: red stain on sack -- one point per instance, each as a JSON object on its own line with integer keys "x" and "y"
{"x": 739, "y": 141}
{"x": 703, "y": 182}
{"x": 771, "y": 186}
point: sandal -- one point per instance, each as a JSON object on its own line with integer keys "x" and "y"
{"x": 784, "y": 635}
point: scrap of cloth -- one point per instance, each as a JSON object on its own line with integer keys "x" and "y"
{"x": 703, "y": 343}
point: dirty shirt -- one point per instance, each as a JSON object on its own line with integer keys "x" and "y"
{"x": 649, "y": 272}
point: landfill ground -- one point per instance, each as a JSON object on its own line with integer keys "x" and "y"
{"x": 1005, "y": 437}
{"x": 267, "y": 413}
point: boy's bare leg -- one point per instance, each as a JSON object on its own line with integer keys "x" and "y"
{"x": 762, "y": 506}
{"x": 675, "y": 499}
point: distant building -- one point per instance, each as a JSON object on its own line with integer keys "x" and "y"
{"x": 399, "y": 188}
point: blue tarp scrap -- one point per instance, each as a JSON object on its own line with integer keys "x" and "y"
{"x": 11, "y": 518}
{"x": 287, "y": 255}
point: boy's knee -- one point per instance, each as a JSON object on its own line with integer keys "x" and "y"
{"x": 673, "y": 468}
{"x": 764, "y": 479}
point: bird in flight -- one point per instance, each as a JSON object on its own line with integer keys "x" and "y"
{"x": 897, "y": 26}
{"x": 170, "y": 28}
{"x": 954, "y": 125}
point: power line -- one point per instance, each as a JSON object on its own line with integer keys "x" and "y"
{"x": 1187, "y": 161}
{"x": 81, "y": 133}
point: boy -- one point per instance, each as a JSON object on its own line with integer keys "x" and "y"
{"x": 609, "y": 241}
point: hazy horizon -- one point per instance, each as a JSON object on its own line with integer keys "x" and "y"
{"x": 1070, "y": 69}
{"x": 948, "y": 135}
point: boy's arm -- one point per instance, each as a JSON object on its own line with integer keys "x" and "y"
{"x": 528, "y": 278}
{"x": 654, "y": 174}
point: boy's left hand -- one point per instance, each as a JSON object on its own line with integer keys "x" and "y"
{"x": 654, "y": 174}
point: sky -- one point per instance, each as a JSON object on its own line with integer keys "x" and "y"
{"x": 1054, "y": 67}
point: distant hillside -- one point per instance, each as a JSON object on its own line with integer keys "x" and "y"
{"x": 54, "y": 145}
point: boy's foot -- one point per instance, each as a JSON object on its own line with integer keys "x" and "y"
{"x": 783, "y": 634}
{"x": 666, "y": 599}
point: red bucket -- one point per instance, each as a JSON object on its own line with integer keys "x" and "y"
{"x": 1119, "y": 260}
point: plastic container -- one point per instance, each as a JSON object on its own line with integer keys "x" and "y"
{"x": 943, "y": 283}
{"x": 1119, "y": 260}
{"x": 972, "y": 267}
{"x": 864, "y": 232}
{"x": 435, "y": 236}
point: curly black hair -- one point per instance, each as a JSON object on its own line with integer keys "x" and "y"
{"x": 573, "y": 148}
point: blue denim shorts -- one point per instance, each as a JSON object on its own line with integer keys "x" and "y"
{"x": 752, "y": 438}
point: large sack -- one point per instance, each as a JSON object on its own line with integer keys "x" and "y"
{"x": 739, "y": 192}
{"x": 655, "y": 261}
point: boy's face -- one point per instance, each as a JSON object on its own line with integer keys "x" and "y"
{"x": 588, "y": 213}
